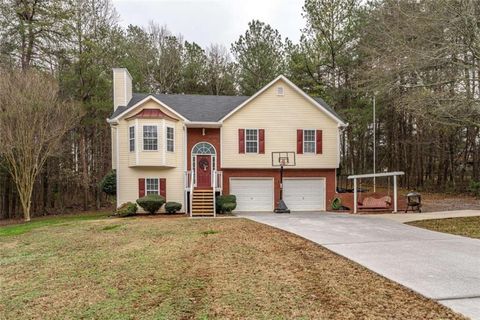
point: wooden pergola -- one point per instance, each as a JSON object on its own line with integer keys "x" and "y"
{"x": 394, "y": 174}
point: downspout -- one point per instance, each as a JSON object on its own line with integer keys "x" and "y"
{"x": 185, "y": 167}
{"x": 117, "y": 162}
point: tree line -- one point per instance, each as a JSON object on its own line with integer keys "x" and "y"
{"x": 419, "y": 58}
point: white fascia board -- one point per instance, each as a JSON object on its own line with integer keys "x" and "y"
{"x": 375, "y": 175}
{"x": 200, "y": 124}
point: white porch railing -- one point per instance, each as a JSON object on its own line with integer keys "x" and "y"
{"x": 192, "y": 178}
{"x": 217, "y": 180}
{"x": 214, "y": 185}
{"x": 218, "y": 176}
{"x": 188, "y": 178}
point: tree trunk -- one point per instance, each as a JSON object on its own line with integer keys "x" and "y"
{"x": 85, "y": 182}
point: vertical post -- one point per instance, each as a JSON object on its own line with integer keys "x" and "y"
{"x": 355, "y": 202}
{"x": 214, "y": 184}
{"x": 394, "y": 194}
{"x": 281, "y": 182}
{"x": 374, "y": 147}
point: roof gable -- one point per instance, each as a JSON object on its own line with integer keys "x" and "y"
{"x": 317, "y": 102}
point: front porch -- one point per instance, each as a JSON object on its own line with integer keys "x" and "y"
{"x": 201, "y": 192}
{"x": 203, "y": 179}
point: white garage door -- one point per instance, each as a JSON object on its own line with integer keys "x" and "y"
{"x": 304, "y": 194}
{"x": 252, "y": 194}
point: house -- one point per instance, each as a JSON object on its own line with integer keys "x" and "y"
{"x": 188, "y": 147}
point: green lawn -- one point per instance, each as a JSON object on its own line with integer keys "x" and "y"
{"x": 465, "y": 226}
{"x": 16, "y": 229}
{"x": 180, "y": 268}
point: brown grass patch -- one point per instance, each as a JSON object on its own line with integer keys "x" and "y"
{"x": 464, "y": 226}
{"x": 189, "y": 269}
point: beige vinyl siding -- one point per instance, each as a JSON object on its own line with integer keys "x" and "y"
{"x": 113, "y": 131}
{"x": 122, "y": 87}
{"x": 118, "y": 89}
{"x": 150, "y": 163}
{"x": 280, "y": 116}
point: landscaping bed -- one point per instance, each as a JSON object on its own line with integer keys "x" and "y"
{"x": 154, "y": 268}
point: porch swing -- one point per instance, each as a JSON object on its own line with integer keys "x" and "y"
{"x": 372, "y": 203}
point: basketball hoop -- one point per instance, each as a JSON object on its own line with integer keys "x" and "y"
{"x": 282, "y": 159}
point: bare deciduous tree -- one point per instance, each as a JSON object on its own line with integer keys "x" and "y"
{"x": 33, "y": 120}
{"x": 166, "y": 68}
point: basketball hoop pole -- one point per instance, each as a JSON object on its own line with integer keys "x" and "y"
{"x": 282, "y": 158}
{"x": 281, "y": 182}
{"x": 281, "y": 207}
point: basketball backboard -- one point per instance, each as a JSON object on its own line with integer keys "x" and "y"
{"x": 283, "y": 159}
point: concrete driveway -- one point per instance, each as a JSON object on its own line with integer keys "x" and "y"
{"x": 440, "y": 266}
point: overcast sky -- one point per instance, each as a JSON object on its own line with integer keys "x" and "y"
{"x": 214, "y": 21}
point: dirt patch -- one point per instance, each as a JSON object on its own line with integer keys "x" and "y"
{"x": 435, "y": 202}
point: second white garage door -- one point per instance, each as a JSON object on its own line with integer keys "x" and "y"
{"x": 304, "y": 194}
{"x": 252, "y": 194}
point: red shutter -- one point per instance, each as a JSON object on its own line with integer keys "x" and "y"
{"x": 319, "y": 141}
{"x": 241, "y": 140}
{"x": 300, "y": 141}
{"x": 141, "y": 187}
{"x": 163, "y": 187}
{"x": 261, "y": 140}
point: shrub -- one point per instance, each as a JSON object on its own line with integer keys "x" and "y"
{"x": 226, "y": 203}
{"x": 151, "y": 203}
{"x": 127, "y": 209}
{"x": 172, "y": 207}
{"x": 229, "y": 206}
{"x": 109, "y": 183}
{"x": 475, "y": 188}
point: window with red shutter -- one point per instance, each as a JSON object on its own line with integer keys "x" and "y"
{"x": 300, "y": 141}
{"x": 261, "y": 140}
{"x": 141, "y": 187}
{"x": 319, "y": 142}
{"x": 241, "y": 140}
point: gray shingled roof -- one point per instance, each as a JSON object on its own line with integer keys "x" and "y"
{"x": 202, "y": 108}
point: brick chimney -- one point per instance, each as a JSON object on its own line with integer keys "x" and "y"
{"x": 122, "y": 87}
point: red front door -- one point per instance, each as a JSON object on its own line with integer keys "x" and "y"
{"x": 204, "y": 171}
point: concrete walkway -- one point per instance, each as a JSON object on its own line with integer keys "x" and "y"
{"x": 440, "y": 266}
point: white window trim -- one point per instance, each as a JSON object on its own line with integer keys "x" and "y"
{"x": 280, "y": 91}
{"x": 314, "y": 141}
{"x": 134, "y": 138}
{"x": 258, "y": 140}
{"x": 158, "y": 184}
{"x": 166, "y": 138}
{"x": 143, "y": 137}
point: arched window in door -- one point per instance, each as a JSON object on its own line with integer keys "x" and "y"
{"x": 203, "y": 148}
